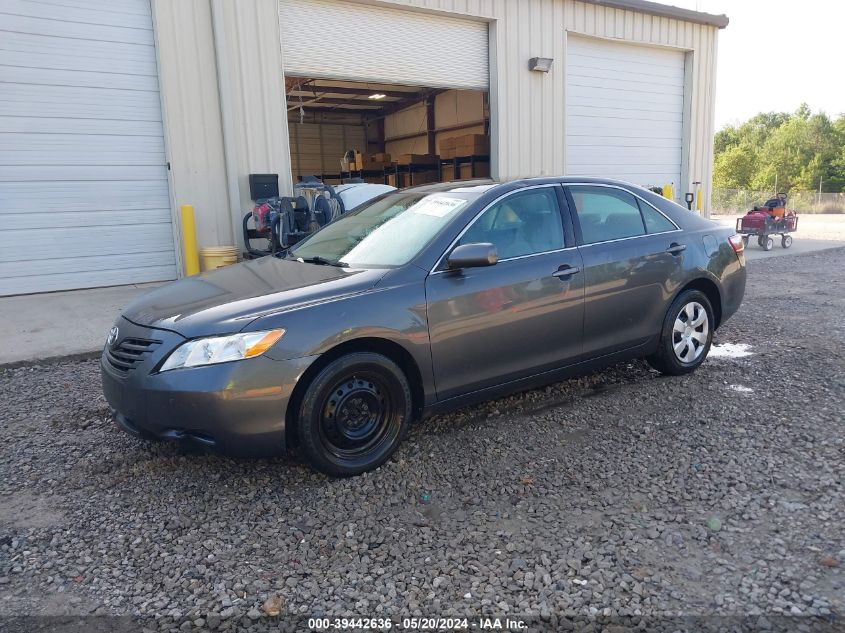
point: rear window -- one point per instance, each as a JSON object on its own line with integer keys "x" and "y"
{"x": 655, "y": 222}
{"x": 606, "y": 213}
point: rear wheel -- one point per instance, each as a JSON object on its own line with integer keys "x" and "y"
{"x": 686, "y": 336}
{"x": 786, "y": 241}
{"x": 768, "y": 243}
{"x": 354, "y": 414}
{"x": 745, "y": 241}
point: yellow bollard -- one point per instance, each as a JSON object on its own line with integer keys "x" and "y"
{"x": 668, "y": 192}
{"x": 698, "y": 199}
{"x": 190, "y": 254}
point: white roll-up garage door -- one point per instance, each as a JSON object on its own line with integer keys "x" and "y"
{"x": 84, "y": 196}
{"x": 335, "y": 39}
{"x": 624, "y": 111}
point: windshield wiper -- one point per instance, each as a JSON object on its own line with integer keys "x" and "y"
{"x": 322, "y": 261}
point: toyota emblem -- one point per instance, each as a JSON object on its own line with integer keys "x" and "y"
{"x": 112, "y": 335}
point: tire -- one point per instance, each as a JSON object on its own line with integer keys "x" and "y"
{"x": 768, "y": 243}
{"x": 786, "y": 241}
{"x": 692, "y": 343}
{"x": 354, "y": 414}
{"x": 745, "y": 241}
{"x": 760, "y": 241}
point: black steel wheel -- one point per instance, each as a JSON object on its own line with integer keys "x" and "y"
{"x": 354, "y": 414}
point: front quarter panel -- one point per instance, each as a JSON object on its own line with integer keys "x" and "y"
{"x": 394, "y": 310}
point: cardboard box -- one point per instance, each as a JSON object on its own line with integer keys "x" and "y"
{"x": 372, "y": 166}
{"x": 422, "y": 178}
{"x": 482, "y": 170}
{"x": 417, "y": 159}
{"x": 465, "y": 171}
{"x": 472, "y": 145}
{"x": 447, "y": 144}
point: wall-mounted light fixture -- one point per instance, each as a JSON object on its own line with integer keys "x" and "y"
{"x": 540, "y": 64}
{"x": 377, "y": 96}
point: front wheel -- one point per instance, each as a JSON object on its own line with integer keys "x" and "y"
{"x": 768, "y": 243}
{"x": 354, "y": 414}
{"x": 786, "y": 241}
{"x": 686, "y": 336}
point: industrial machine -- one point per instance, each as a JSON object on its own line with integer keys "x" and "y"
{"x": 278, "y": 222}
{"x": 766, "y": 220}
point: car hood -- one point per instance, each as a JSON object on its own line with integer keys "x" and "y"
{"x": 226, "y": 300}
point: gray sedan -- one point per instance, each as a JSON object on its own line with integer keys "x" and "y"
{"x": 419, "y": 301}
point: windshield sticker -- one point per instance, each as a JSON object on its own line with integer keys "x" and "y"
{"x": 437, "y": 207}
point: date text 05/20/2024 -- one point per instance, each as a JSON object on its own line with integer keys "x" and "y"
{"x": 418, "y": 624}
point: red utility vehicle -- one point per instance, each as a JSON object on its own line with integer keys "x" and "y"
{"x": 772, "y": 218}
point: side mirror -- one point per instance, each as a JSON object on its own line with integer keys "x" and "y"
{"x": 472, "y": 256}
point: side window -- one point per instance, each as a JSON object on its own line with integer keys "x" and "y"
{"x": 655, "y": 222}
{"x": 606, "y": 213}
{"x": 525, "y": 223}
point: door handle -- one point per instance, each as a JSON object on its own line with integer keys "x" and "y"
{"x": 566, "y": 271}
{"x": 676, "y": 249}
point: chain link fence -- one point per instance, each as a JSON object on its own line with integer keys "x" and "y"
{"x": 737, "y": 201}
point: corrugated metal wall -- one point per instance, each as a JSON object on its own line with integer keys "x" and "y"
{"x": 316, "y": 148}
{"x": 224, "y": 120}
{"x": 527, "y": 118}
{"x": 192, "y": 124}
{"x": 528, "y": 126}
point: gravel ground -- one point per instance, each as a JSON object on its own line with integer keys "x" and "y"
{"x": 620, "y": 493}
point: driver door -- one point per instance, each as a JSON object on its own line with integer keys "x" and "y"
{"x": 519, "y": 317}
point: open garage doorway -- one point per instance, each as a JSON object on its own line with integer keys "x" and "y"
{"x": 394, "y": 134}
{"x": 404, "y": 90}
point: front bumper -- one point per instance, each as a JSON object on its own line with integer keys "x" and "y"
{"x": 238, "y": 407}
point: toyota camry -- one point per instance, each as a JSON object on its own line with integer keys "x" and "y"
{"x": 419, "y": 301}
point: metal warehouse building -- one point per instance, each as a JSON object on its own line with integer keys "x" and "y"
{"x": 115, "y": 112}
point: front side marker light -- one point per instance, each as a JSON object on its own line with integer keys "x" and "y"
{"x": 264, "y": 343}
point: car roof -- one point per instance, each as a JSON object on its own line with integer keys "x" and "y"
{"x": 483, "y": 185}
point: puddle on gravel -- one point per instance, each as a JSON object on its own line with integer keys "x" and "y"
{"x": 740, "y": 388}
{"x": 730, "y": 351}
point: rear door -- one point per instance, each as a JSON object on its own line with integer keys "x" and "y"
{"x": 522, "y": 316}
{"x": 633, "y": 261}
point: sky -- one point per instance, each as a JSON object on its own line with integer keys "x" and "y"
{"x": 776, "y": 54}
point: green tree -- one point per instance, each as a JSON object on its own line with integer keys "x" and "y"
{"x": 796, "y": 151}
{"x": 734, "y": 168}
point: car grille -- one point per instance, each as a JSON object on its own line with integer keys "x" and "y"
{"x": 125, "y": 356}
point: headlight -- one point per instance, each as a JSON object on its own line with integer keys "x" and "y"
{"x": 221, "y": 349}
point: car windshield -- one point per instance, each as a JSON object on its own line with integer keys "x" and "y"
{"x": 385, "y": 232}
